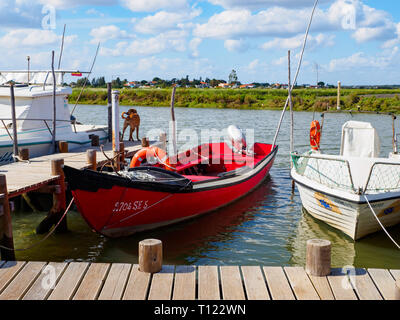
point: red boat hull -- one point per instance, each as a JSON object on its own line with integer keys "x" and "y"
{"x": 121, "y": 211}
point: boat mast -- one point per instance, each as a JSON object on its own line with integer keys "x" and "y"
{"x": 297, "y": 73}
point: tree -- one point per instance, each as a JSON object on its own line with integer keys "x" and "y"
{"x": 321, "y": 84}
{"x": 233, "y": 77}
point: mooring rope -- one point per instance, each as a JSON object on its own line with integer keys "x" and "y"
{"x": 380, "y": 223}
{"x": 48, "y": 235}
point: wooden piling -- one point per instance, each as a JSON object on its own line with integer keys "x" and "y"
{"x": 95, "y": 140}
{"x": 6, "y": 239}
{"x": 109, "y": 109}
{"x": 59, "y": 201}
{"x": 150, "y": 255}
{"x": 63, "y": 146}
{"x": 338, "y": 95}
{"x": 23, "y": 154}
{"x": 91, "y": 158}
{"x": 318, "y": 259}
{"x": 122, "y": 151}
{"x": 397, "y": 290}
{"x": 145, "y": 142}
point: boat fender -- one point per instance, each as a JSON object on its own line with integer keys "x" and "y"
{"x": 315, "y": 135}
{"x": 151, "y": 152}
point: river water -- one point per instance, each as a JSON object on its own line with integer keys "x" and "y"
{"x": 266, "y": 227}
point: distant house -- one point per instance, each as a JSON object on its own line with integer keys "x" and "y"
{"x": 224, "y": 85}
{"x": 132, "y": 84}
{"x": 247, "y": 86}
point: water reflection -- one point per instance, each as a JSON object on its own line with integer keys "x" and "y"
{"x": 266, "y": 227}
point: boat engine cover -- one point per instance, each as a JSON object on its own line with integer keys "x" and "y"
{"x": 236, "y": 138}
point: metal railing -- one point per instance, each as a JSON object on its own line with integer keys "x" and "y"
{"x": 383, "y": 176}
{"x": 333, "y": 173}
{"x": 73, "y": 122}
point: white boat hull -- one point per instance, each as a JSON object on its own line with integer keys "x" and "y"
{"x": 352, "y": 218}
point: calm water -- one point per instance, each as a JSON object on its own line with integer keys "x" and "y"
{"x": 267, "y": 227}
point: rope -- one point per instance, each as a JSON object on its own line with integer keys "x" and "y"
{"x": 45, "y": 238}
{"x": 380, "y": 223}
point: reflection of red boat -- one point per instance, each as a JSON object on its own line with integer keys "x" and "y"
{"x": 146, "y": 197}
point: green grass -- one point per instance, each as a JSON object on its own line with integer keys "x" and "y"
{"x": 304, "y": 99}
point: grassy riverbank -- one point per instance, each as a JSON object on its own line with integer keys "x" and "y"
{"x": 304, "y": 99}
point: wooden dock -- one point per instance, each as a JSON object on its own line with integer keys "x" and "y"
{"x": 24, "y": 177}
{"x": 118, "y": 281}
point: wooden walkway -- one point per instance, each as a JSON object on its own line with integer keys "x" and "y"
{"x": 23, "y": 177}
{"x": 103, "y": 281}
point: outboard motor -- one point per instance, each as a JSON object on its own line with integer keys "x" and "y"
{"x": 237, "y": 139}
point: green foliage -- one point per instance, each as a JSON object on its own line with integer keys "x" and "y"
{"x": 303, "y": 99}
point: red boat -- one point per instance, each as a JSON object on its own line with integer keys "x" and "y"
{"x": 204, "y": 179}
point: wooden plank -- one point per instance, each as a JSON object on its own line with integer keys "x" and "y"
{"x": 300, "y": 283}
{"x": 208, "y": 283}
{"x": 185, "y": 283}
{"x": 278, "y": 284}
{"x": 322, "y": 287}
{"x": 161, "y": 284}
{"x": 256, "y": 288}
{"x": 114, "y": 285}
{"x": 395, "y": 274}
{"x": 231, "y": 283}
{"x": 92, "y": 282}
{"x": 8, "y": 271}
{"x": 365, "y": 287}
{"x": 22, "y": 282}
{"x": 341, "y": 286}
{"x": 384, "y": 281}
{"x": 43, "y": 285}
{"x": 69, "y": 281}
{"x": 138, "y": 285}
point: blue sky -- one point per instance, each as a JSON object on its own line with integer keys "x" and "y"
{"x": 355, "y": 41}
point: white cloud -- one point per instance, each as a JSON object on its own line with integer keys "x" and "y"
{"x": 164, "y": 20}
{"x": 360, "y": 60}
{"x": 20, "y": 38}
{"x": 319, "y": 40}
{"x": 239, "y": 45}
{"x": 194, "y": 47}
{"x": 64, "y": 4}
{"x": 105, "y": 33}
{"x": 262, "y": 4}
{"x": 167, "y": 41}
{"x": 154, "y": 5}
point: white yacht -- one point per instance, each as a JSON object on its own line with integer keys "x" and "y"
{"x": 34, "y": 107}
{"x": 357, "y": 191}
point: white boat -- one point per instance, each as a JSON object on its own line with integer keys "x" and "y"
{"x": 34, "y": 115}
{"x": 354, "y": 189}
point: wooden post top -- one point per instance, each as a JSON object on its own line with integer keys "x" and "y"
{"x": 318, "y": 242}
{"x": 57, "y": 167}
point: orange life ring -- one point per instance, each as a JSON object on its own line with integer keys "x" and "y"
{"x": 156, "y": 152}
{"x": 315, "y": 135}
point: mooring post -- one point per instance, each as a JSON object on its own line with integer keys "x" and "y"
{"x": 91, "y": 158}
{"x": 145, "y": 142}
{"x": 115, "y": 126}
{"x": 109, "y": 109}
{"x": 23, "y": 154}
{"x": 338, "y": 95}
{"x": 122, "y": 151}
{"x": 6, "y": 238}
{"x": 318, "y": 258}
{"x": 150, "y": 255}
{"x": 95, "y": 139}
{"x": 59, "y": 202}
{"x": 63, "y": 146}
{"x": 397, "y": 290}
{"x": 14, "y": 121}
